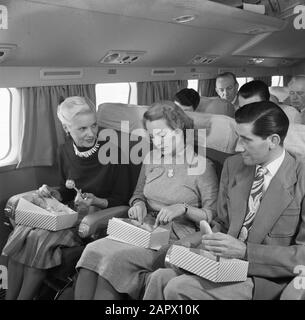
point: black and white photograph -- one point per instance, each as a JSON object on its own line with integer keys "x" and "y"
{"x": 152, "y": 153}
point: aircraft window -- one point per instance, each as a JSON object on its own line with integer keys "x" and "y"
{"x": 5, "y": 122}
{"x": 277, "y": 81}
{"x": 243, "y": 80}
{"x": 9, "y": 125}
{"x": 192, "y": 84}
{"x": 120, "y": 92}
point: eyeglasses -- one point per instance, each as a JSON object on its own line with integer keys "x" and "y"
{"x": 298, "y": 93}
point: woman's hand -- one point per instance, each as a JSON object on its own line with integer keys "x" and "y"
{"x": 138, "y": 211}
{"x": 85, "y": 199}
{"x": 167, "y": 214}
{"x": 47, "y": 192}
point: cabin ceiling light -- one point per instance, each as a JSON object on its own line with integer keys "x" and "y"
{"x": 6, "y": 50}
{"x": 121, "y": 57}
{"x": 184, "y": 19}
{"x": 256, "y": 60}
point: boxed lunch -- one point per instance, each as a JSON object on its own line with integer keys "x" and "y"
{"x": 206, "y": 265}
{"x": 133, "y": 232}
{"x": 45, "y": 213}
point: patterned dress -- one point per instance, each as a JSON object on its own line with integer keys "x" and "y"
{"x": 40, "y": 248}
{"x": 126, "y": 266}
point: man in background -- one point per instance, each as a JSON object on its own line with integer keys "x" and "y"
{"x": 227, "y": 87}
{"x": 296, "y": 89}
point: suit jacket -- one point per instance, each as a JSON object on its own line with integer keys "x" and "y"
{"x": 276, "y": 242}
{"x": 215, "y": 105}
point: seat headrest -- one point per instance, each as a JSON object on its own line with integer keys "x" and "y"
{"x": 215, "y": 105}
{"x": 220, "y": 128}
{"x": 110, "y": 115}
{"x": 295, "y": 139}
{"x": 282, "y": 93}
{"x": 221, "y": 133}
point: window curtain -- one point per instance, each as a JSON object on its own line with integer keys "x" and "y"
{"x": 266, "y": 79}
{"x": 206, "y": 87}
{"x": 154, "y": 91}
{"x": 41, "y": 131}
{"x": 286, "y": 80}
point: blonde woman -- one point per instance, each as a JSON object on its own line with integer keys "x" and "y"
{"x": 32, "y": 251}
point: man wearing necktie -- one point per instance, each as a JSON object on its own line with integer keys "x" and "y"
{"x": 260, "y": 215}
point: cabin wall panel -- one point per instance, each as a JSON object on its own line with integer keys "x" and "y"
{"x": 30, "y": 76}
{"x": 299, "y": 69}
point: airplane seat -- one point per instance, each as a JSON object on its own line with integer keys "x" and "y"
{"x": 281, "y": 93}
{"x": 220, "y": 129}
{"x": 292, "y": 113}
{"x": 92, "y": 226}
{"x": 110, "y": 116}
{"x": 295, "y": 139}
{"x": 215, "y": 105}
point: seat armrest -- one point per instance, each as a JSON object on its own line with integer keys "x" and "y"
{"x": 98, "y": 220}
{"x": 12, "y": 203}
{"x": 295, "y": 290}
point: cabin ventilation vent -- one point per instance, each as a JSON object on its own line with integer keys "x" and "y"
{"x": 112, "y": 71}
{"x": 61, "y": 74}
{"x": 223, "y": 70}
{"x": 163, "y": 72}
{"x": 5, "y": 51}
{"x": 121, "y": 57}
{"x": 203, "y": 59}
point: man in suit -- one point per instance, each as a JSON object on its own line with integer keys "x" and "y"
{"x": 260, "y": 215}
{"x": 227, "y": 87}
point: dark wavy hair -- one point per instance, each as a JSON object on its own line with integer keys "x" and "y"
{"x": 267, "y": 119}
{"x": 253, "y": 88}
{"x": 188, "y": 97}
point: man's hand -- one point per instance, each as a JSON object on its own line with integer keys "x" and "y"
{"x": 224, "y": 245}
{"x": 167, "y": 214}
{"x": 138, "y": 211}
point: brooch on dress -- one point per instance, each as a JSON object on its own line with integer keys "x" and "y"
{"x": 170, "y": 173}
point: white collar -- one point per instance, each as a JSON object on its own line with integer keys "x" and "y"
{"x": 234, "y": 101}
{"x": 274, "y": 165}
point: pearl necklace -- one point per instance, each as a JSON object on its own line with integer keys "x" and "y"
{"x": 88, "y": 153}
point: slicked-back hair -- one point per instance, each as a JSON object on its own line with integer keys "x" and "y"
{"x": 188, "y": 97}
{"x": 227, "y": 74}
{"x": 253, "y": 88}
{"x": 267, "y": 119}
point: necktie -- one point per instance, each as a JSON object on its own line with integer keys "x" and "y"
{"x": 253, "y": 202}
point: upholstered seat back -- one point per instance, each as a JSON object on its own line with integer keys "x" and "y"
{"x": 220, "y": 129}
